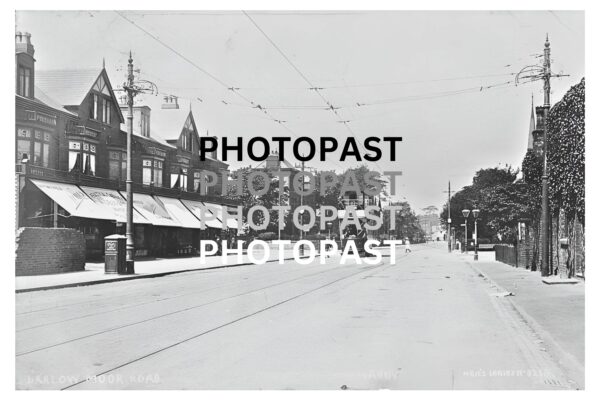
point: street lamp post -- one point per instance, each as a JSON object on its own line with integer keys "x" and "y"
{"x": 466, "y": 213}
{"x": 532, "y": 73}
{"x": 132, "y": 87}
{"x": 129, "y": 244}
{"x": 476, "y": 215}
{"x": 545, "y": 216}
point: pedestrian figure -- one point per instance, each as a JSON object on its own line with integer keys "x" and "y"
{"x": 407, "y": 246}
{"x": 219, "y": 242}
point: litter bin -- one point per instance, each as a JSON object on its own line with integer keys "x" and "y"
{"x": 114, "y": 254}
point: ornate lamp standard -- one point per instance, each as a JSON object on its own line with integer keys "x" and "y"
{"x": 465, "y": 214}
{"x": 476, "y": 215}
{"x": 132, "y": 87}
{"x": 532, "y": 73}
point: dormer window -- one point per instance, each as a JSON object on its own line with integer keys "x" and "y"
{"x": 24, "y": 82}
{"x": 94, "y": 110}
{"x": 106, "y": 111}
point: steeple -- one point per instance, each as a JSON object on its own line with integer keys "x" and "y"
{"x": 531, "y": 126}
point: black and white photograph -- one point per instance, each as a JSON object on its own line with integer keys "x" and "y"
{"x": 298, "y": 199}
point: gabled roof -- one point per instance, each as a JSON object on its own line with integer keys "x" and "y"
{"x": 70, "y": 87}
{"x": 42, "y": 98}
{"x": 179, "y": 118}
{"x": 154, "y": 139}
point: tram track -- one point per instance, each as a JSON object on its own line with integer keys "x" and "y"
{"x": 185, "y": 309}
{"x": 370, "y": 270}
{"x": 154, "y": 301}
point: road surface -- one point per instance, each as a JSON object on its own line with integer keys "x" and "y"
{"x": 428, "y": 322}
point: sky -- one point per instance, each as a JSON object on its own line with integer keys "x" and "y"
{"x": 421, "y": 75}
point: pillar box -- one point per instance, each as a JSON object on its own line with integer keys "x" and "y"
{"x": 114, "y": 255}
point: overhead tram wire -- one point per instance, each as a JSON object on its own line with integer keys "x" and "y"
{"x": 265, "y": 109}
{"x": 312, "y": 87}
{"x": 473, "y": 89}
{"x": 366, "y": 85}
{"x": 387, "y": 84}
{"x": 189, "y": 61}
{"x": 213, "y": 77}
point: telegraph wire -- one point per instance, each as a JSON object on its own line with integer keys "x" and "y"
{"x": 312, "y": 87}
{"x": 216, "y": 79}
{"x": 360, "y": 85}
{"x": 396, "y": 83}
{"x": 204, "y": 71}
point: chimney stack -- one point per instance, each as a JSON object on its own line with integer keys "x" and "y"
{"x": 23, "y": 43}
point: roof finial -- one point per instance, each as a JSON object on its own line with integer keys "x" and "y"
{"x": 547, "y": 41}
{"x": 103, "y": 63}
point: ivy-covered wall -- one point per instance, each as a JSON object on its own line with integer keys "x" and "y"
{"x": 566, "y": 185}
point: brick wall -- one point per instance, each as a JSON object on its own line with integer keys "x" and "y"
{"x": 42, "y": 251}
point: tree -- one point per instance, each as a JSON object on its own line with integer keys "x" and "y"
{"x": 406, "y": 223}
{"x": 502, "y": 203}
{"x": 270, "y": 199}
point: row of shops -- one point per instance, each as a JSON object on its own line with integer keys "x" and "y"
{"x": 163, "y": 226}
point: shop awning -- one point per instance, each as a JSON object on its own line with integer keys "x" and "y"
{"x": 178, "y": 211}
{"x": 152, "y": 210}
{"x": 199, "y": 210}
{"x": 112, "y": 200}
{"x": 218, "y": 210}
{"x": 73, "y": 200}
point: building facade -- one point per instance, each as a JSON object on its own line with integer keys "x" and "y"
{"x": 71, "y": 164}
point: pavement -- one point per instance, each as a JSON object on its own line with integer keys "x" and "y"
{"x": 430, "y": 321}
{"x": 556, "y": 312}
{"x": 149, "y": 268}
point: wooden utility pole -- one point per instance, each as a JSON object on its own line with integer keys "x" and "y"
{"x": 449, "y": 220}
